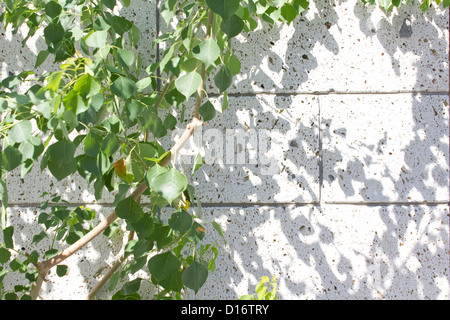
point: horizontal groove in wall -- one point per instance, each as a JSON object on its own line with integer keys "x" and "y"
{"x": 326, "y": 93}
{"x": 250, "y": 205}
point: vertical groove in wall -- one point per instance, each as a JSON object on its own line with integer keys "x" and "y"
{"x": 448, "y": 66}
{"x": 158, "y": 73}
{"x": 320, "y": 160}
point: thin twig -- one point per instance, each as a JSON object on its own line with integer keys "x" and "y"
{"x": 110, "y": 272}
{"x": 45, "y": 266}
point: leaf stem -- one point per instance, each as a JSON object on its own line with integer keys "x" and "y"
{"x": 198, "y": 101}
{"x": 45, "y": 266}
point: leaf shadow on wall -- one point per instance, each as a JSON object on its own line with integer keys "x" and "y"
{"x": 399, "y": 246}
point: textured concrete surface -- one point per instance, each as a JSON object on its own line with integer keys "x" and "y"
{"x": 337, "y": 178}
{"x": 346, "y": 47}
{"x": 385, "y": 148}
{"x": 335, "y": 251}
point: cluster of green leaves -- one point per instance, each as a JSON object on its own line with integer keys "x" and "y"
{"x": 261, "y": 290}
{"x": 12, "y": 260}
{"x": 99, "y": 116}
{"x": 185, "y": 265}
{"x": 60, "y": 225}
{"x": 101, "y": 113}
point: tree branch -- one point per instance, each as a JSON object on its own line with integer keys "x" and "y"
{"x": 45, "y": 266}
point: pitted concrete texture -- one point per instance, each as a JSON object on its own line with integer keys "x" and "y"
{"x": 329, "y": 169}
{"x": 346, "y": 47}
{"x": 334, "y": 252}
{"x": 385, "y": 148}
{"x": 266, "y": 146}
{"x": 316, "y": 252}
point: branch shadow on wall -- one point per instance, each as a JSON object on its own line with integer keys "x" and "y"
{"x": 317, "y": 251}
{"x": 274, "y": 222}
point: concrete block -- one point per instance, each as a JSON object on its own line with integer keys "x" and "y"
{"x": 346, "y": 47}
{"x": 262, "y": 149}
{"x": 73, "y": 189}
{"x": 333, "y": 252}
{"x": 329, "y": 252}
{"x": 384, "y": 148}
{"x": 15, "y": 58}
{"x": 143, "y": 14}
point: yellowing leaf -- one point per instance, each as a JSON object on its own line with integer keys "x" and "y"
{"x": 120, "y": 168}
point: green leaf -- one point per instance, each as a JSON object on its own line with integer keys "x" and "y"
{"x": 53, "y": 9}
{"x": 301, "y": 5}
{"x": 188, "y": 83}
{"x": 92, "y": 144}
{"x": 119, "y": 296}
{"x": 150, "y": 120}
{"x": 110, "y": 4}
{"x": 162, "y": 234}
{"x": 74, "y": 102}
{"x": 11, "y": 158}
{"x": 247, "y": 297}
{"x": 224, "y": 8}
{"x": 207, "y": 51}
{"x": 42, "y": 55}
{"x": 121, "y": 25}
{"x": 173, "y": 282}
{"x": 54, "y": 32}
{"x": 197, "y": 232}
{"x": 4, "y": 201}
{"x": 125, "y": 57}
{"x": 223, "y": 79}
{"x": 11, "y": 82}
{"x": 87, "y": 86}
{"x": 197, "y": 163}
{"x": 219, "y": 230}
{"x": 60, "y": 159}
{"x": 425, "y": 5}
{"x": 61, "y": 270}
{"x": 143, "y": 83}
{"x": 288, "y": 12}
{"x": 207, "y": 111}
{"x": 234, "y": 64}
{"x": 51, "y": 253}
{"x": 131, "y": 287}
{"x": 8, "y": 237}
{"x": 168, "y": 10}
{"x": 111, "y": 144}
{"x": 163, "y": 265}
{"x": 144, "y": 226}
{"x": 134, "y": 35}
{"x": 129, "y": 247}
{"x": 96, "y": 39}
{"x": 169, "y": 122}
{"x": 225, "y": 101}
{"x": 195, "y": 276}
{"x": 129, "y": 210}
{"x": 169, "y": 184}
{"x": 154, "y": 172}
{"x": 142, "y": 248}
{"x": 21, "y": 131}
{"x": 189, "y": 65}
{"x": 54, "y": 81}
{"x": 123, "y": 87}
{"x": 16, "y": 264}
{"x": 134, "y": 108}
{"x": 232, "y": 26}
{"x": 180, "y": 221}
{"x": 4, "y": 255}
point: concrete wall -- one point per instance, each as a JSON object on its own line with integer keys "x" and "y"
{"x": 341, "y": 187}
